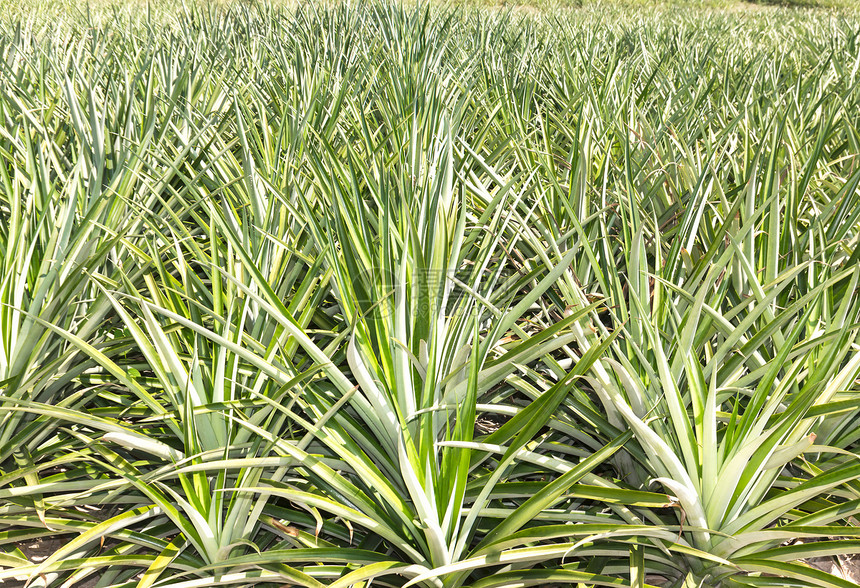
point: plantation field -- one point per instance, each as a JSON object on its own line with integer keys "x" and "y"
{"x": 385, "y": 295}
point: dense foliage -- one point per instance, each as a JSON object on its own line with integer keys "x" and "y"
{"x": 382, "y": 295}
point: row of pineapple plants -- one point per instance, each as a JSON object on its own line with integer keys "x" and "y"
{"x": 381, "y": 295}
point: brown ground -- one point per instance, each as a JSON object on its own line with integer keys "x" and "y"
{"x": 37, "y": 551}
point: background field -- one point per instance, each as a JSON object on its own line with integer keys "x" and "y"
{"x": 383, "y": 295}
